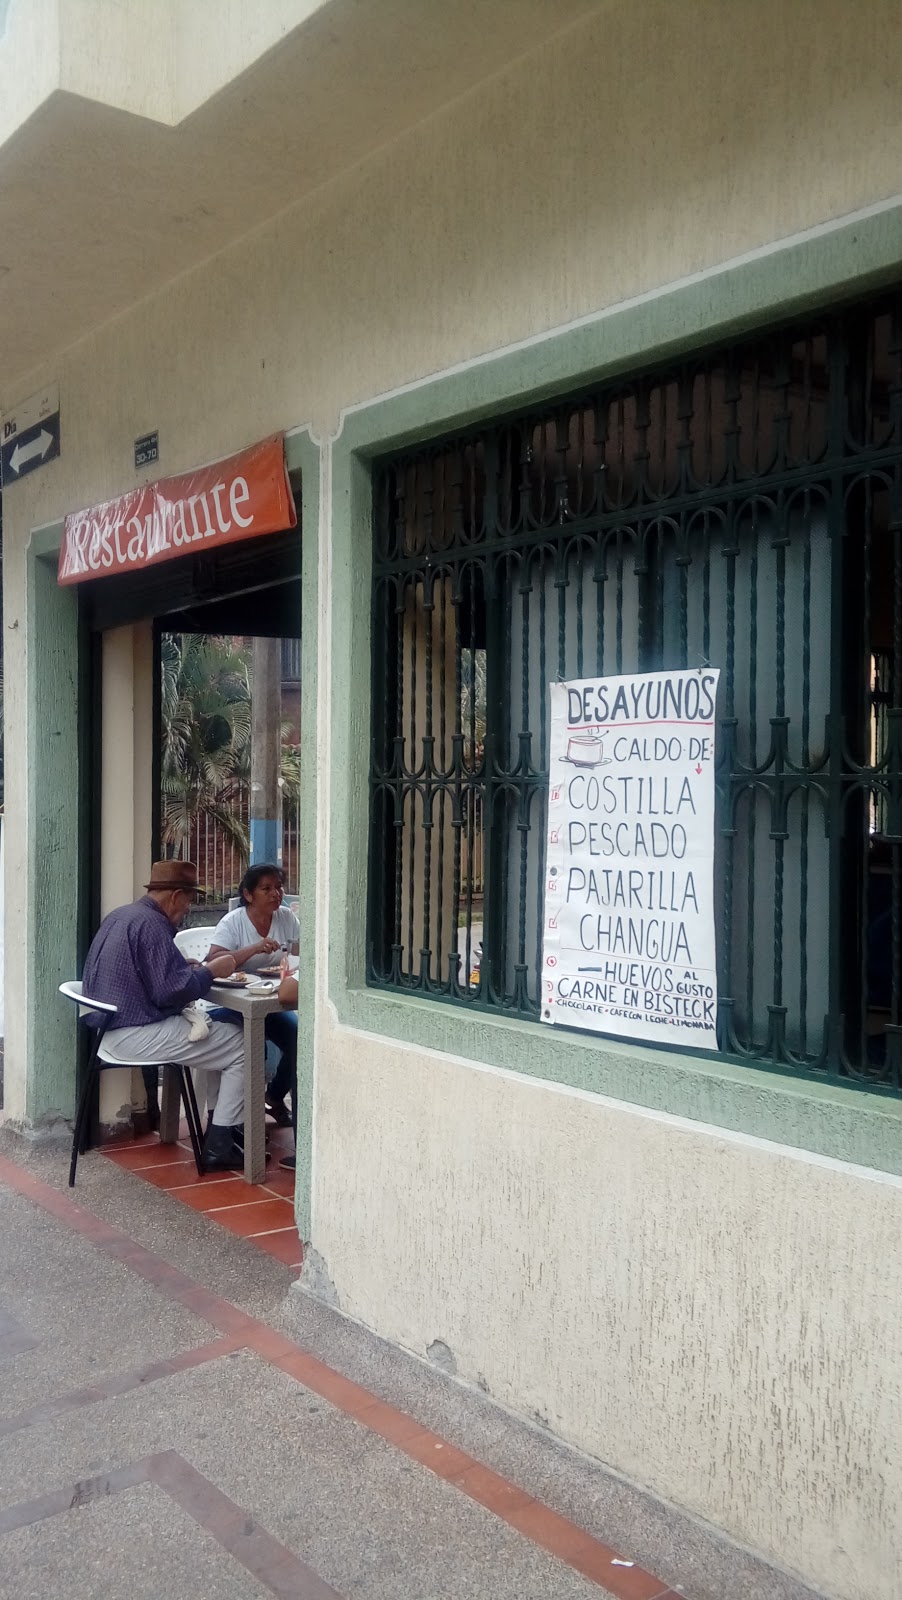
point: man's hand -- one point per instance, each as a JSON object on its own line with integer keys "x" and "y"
{"x": 266, "y": 946}
{"x": 221, "y": 966}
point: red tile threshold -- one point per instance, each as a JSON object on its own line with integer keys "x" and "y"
{"x": 285, "y": 1246}
{"x": 137, "y": 1157}
{"x": 261, "y": 1213}
{"x": 211, "y": 1194}
{"x": 260, "y": 1216}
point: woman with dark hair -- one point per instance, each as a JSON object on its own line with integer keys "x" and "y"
{"x": 256, "y": 934}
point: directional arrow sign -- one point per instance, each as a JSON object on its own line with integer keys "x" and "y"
{"x": 31, "y": 448}
{"x": 30, "y": 436}
{"x": 23, "y": 453}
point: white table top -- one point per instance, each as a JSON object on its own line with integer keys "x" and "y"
{"x": 247, "y": 1003}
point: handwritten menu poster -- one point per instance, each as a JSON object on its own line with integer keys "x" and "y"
{"x": 629, "y": 943}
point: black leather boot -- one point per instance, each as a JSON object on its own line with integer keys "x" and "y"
{"x": 237, "y": 1132}
{"x": 221, "y": 1152}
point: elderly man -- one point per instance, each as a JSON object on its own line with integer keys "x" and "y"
{"x": 133, "y": 964}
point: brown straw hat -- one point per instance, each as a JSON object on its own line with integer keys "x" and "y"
{"x": 173, "y": 875}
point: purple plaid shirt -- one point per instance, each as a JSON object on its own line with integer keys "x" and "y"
{"x": 134, "y": 965}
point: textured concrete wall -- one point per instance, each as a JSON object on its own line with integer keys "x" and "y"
{"x": 715, "y": 1317}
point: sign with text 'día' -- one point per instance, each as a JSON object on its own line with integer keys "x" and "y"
{"x": 628, "y": 932}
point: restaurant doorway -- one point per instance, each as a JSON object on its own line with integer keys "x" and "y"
{"x": 132, "y": 624}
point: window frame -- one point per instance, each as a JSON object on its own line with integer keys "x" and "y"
{"x": 873, "y": 457}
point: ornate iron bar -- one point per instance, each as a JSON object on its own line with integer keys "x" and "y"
{"x": 742, "y": 506}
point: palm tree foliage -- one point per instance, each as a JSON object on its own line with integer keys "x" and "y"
{"x": 206, "y": 736}
{"x": 206, "y": 717}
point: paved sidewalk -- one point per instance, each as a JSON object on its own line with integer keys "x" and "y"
{"x": 175, "y": 1422}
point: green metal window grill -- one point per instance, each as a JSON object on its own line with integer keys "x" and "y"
{"x": 741, "y": 507}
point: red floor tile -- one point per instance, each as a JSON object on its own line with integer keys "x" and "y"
{"x": 300, "y": 1364}
{"x": 244, "y": 1209}
{"x": 207, "y": 1194}
{"x": 444, "y": 1459}
{"x": 395, "y": 1426}
{"x": 260, "y": 1217}
{"x": 136, "y": 1157}
{"x": 271, "y": 1345}
{"x": 130, "y": 1141}
{"x": 491, "y": 1490}
{"x": 281, "y": 1143}
{"x": 280, "y": 1183}
{"x": 175, "y": 1176}
{"x": 552, "y": 1531}
{"x": 596, "y": 1562}
{"x": 286, "y": 1247}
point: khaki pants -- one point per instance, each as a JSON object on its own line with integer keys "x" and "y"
{"x": 221, "y": 1052}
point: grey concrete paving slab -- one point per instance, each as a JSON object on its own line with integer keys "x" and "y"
{"x": 688, "y": 1552}
{"x": 363, "y": 1516}
{"x": 90, "y": 1316}
{"x": 138, "y": 1544}
{"x": 229, "y": 1266}
{"x": 693, "y": 1557}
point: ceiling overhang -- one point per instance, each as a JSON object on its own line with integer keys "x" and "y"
{"x": 102, "y": 202}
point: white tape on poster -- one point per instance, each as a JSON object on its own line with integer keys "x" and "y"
{"x": 629, "y": 944}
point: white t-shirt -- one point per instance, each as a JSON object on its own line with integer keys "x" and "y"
{"x": 235, "y": 931}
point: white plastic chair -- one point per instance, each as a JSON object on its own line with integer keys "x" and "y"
{"x": 193, "y": 943}
{"x": 99, "y": 1058}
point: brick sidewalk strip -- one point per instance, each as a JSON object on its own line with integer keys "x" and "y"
{"x": 535, "y": 1521}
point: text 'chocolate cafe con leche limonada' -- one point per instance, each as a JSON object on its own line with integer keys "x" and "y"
{"x": 237, "y": 498}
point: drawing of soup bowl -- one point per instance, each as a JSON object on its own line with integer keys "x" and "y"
{"x": 586, "y": 750}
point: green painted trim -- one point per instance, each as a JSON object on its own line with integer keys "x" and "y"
{"x": 301, "y": 454}
{"x": 855, "y": 254}
{"x": 52, "y": 831}
{"x": 830, "y": 1120}
{"x": 851, "y": 256}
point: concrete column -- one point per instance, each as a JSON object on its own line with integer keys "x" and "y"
{"x": 125, "y": 807}
{"x": 266, "y": 743}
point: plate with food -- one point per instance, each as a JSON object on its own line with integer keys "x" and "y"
{"x": 236, "y": 981}
{"x": 268, "y": 972}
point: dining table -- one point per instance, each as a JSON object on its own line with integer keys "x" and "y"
{"x": 255, "y": 1004}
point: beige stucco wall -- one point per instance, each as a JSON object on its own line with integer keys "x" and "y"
{"x": 714, "y": 1316}
{"x": 711, "y": 1316}
{"x": 621, "y": 157}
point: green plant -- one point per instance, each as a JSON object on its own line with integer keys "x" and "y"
{"x": 206, "y": 732}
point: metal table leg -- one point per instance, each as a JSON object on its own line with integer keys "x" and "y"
{"x": 254, "y": 1086}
